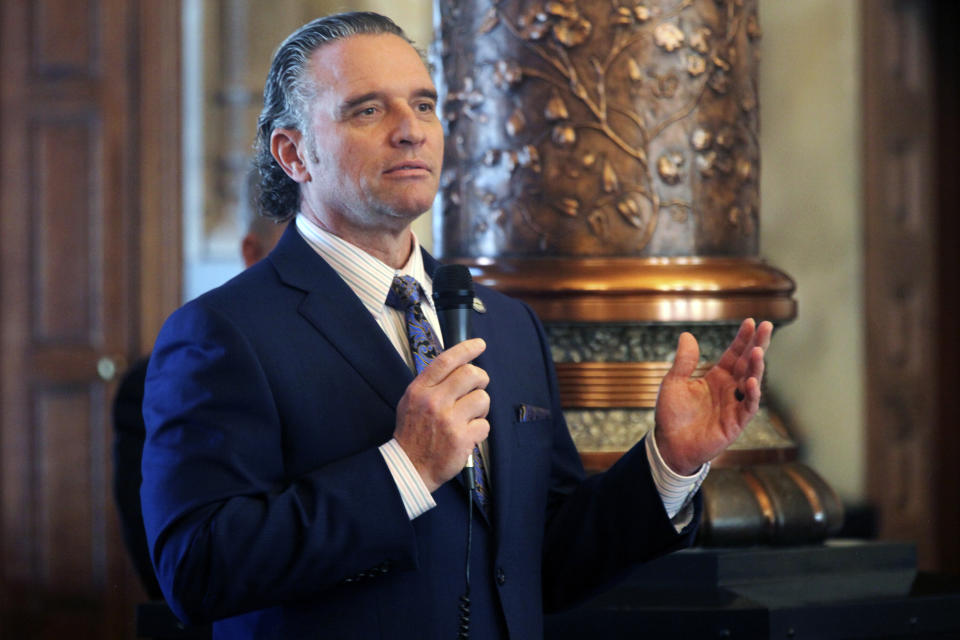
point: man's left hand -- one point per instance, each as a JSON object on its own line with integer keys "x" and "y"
{"x": 696, "y": 419}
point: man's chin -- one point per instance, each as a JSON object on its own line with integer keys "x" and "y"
{"x": 411, "y": 201}
{"x": 405, "y": 211}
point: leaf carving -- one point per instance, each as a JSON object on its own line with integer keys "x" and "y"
{"x": 699, "y": 40}
{"x": 668, "y": 166}
{"x": 564, "y": 136}
{"x": 516, "y": 123}
{"x": 559, "y": 10}
{"x": 701, "y": 139}
{"x": 569, "y": 206}
{"x": 556, "y": 108}
{"x": 696, "y": 65}
{"x": 490, "y": 21}
{"x": 622, "y": 16}
{"x": 753, "y": 27}
{"x": 570, "y": 33}
{"x": 598, "y": 223}
{"x": 529, "y": 158}
{"x": 668, "y": 36}
{"x": 611, "y": 183}
{"x": 634, "y": 210}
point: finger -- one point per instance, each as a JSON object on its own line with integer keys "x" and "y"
{"x": 687, "y": 357}
{"x": 750, "y": 404}
{"x": 749, "y": 367}
{"x": 451, "y": 359}
{"x": 761, "y": 338}
{"x": 740, "y": 344}
{"x": 463, "y": 380}
{"x": 475, "y": 432}
{"x": 756, "y": 365}
{"x": 478, "y": 429}
{"x": 750, "y": 362}
{"x": 764, "y": 333}
{"x": 472, "y": 406}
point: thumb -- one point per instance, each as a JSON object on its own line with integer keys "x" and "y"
{"x": 688, "y": 355}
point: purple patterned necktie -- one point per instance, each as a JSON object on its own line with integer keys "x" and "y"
{"x": 405, "y": 295}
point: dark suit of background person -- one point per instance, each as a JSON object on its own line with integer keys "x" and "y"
{"x": 130, "y": 431}
{"x": 266, "y": 499}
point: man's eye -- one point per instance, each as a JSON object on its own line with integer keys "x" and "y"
{"x": 369, "y": 111}
{"x": 425, "y": 107}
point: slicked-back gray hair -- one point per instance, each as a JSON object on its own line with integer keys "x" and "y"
{"x": 288, "y": 92}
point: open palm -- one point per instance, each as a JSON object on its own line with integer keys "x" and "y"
{"x": 696, "y": 419}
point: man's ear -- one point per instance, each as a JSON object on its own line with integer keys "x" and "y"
{"x": 289, "y": 150}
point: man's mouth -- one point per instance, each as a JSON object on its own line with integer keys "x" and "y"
{"x": 412, "y": 166}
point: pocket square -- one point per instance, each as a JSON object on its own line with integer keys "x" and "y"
{"x": 529, "y": 413}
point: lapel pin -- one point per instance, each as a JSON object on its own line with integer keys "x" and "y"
{"x": 478, "y": 305}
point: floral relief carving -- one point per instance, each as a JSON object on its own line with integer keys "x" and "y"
{"x": 669, "y": 166}
{"x": 696, "y": 65}
{"x": 609, "y": 109}
{"x": 556, "y": 108}
{"x": 700, "y": 39}
{"x": 668, "y": 37}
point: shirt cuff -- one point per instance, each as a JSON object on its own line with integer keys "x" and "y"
{"x": 414, "y": 493}
{"x": 675, "y": 490}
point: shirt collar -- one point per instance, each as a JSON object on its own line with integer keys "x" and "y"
{"x": 369, "y": 277}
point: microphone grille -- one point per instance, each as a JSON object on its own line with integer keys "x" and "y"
{"x": 452, "y": 277}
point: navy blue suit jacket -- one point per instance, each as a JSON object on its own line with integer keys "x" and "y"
{"x": 269, "y": 508}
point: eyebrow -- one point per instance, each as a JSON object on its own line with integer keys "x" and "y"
{"x": 356, "y": 101}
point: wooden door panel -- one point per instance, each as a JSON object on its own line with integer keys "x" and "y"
{"x": 70, "y": 176}
{"x": 63, "y": 208}
{"x": 64, "y": 37}
{"x": 68, "y": 476}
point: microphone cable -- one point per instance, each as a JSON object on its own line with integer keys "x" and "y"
{"x": 463, "y": 628}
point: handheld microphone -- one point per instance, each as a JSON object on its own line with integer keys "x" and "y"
{"x": 453, "y": 299}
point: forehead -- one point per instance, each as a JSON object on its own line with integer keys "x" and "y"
{"x": 364, "y": 62}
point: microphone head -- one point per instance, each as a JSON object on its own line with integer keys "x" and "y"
{"x": 452, "y": 286}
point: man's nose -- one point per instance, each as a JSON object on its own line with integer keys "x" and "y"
{"x": 408, "y": 128}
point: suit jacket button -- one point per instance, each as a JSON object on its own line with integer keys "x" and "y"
{"x": 501, "y": 576}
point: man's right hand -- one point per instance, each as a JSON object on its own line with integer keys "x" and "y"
{"x": 443, "y": 413}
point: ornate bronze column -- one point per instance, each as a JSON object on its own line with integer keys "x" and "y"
{"x": 602, "y": 164}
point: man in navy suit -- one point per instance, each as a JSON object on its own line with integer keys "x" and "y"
{"x": 301, "y": 480}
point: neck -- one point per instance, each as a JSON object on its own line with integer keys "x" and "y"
{"x": 390, "y": 246}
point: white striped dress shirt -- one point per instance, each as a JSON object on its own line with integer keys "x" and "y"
{"x": 370, "y": 278}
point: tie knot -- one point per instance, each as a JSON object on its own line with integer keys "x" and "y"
{"x": 405, "y": 292}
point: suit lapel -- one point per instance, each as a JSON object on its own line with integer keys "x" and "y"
{"x": 498, "y": 444}
{"x": 336, "y": 312}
